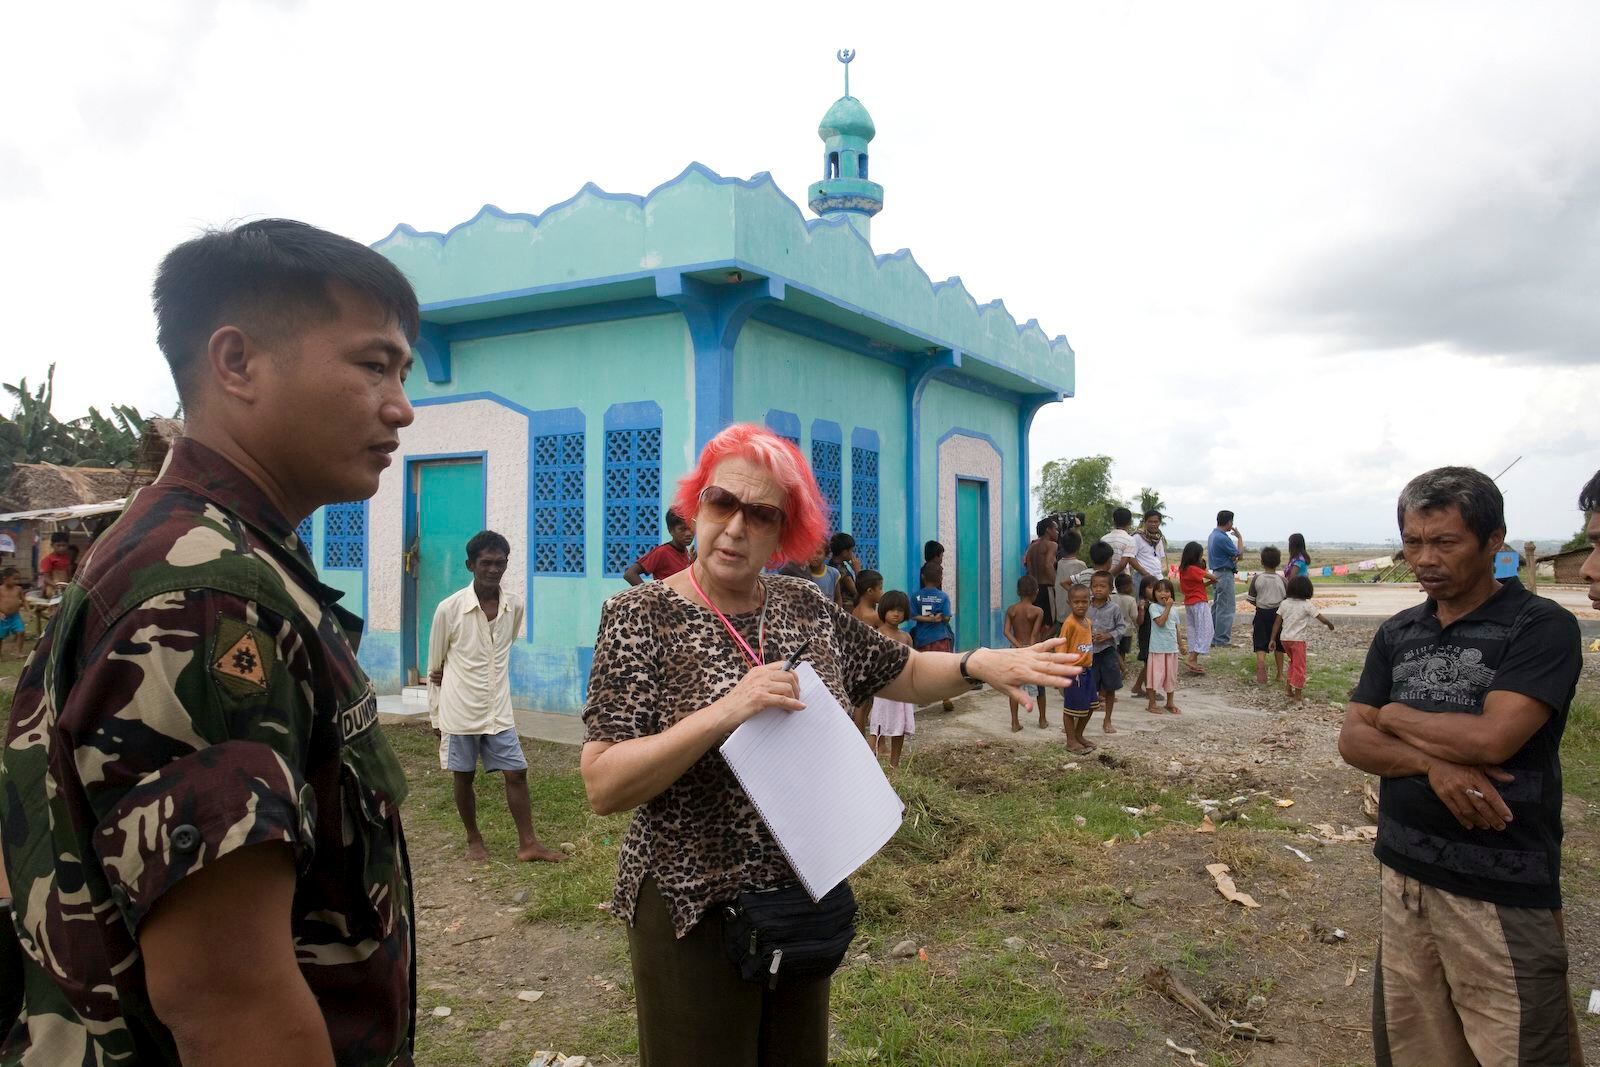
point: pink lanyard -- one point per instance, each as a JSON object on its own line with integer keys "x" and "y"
{"x": 761, "y": 633}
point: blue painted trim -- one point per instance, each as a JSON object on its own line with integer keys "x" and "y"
{"x": 555, "y": 318}
{"x": 462, "y": 398}
{"x": 1025, "y": 419}
{"x": 408, "y": 534}
{"x": 715, "y": 315}
{"x": 784, "y": 423}
{"x": 638, "y": 415}
{"x": 781, "y": 318}
{"x": 917, "y": 380}
{"x": 527, "y": 413}
{"x": 433, "y": 347}
{"x": 961, "y": 431}
{"x": 861, "y": 437}
{"x": 556, "y": 421}
{"x": 826, "y": 430}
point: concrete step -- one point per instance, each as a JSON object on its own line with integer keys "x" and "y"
{"x": 415, "y": 694}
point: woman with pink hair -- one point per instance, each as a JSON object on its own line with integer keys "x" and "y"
{"x": 678, "y": 665}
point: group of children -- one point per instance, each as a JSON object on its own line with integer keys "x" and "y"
{"x": 887, "y": 723}
{"x": 1102, "y": 623}
{"x": 1284, "y": 607}
{"x": 1104, "y": 619}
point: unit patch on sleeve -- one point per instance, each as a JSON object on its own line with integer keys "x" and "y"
{"x": 239, "y": 660}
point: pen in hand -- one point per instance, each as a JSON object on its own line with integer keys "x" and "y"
{"x": 798, "y": 654}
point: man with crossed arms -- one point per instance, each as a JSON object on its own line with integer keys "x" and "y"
{"x": 1460, "y": 709}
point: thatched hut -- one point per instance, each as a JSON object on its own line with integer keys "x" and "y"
{"x": 41, "y": 498}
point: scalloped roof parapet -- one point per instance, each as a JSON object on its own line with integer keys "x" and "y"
{"x": 701, "y": 218}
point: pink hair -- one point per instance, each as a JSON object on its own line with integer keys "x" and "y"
{"x": 805, "y": 520}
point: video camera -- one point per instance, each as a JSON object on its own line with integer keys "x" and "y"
{"x": 1067, "y": 520}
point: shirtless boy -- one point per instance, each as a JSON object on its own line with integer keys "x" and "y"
{"x": 1025, "y": 625}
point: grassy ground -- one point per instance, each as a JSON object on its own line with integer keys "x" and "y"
{"x": 1039, "y": 901}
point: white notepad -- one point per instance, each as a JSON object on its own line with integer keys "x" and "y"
{"x": 817, "y": 785}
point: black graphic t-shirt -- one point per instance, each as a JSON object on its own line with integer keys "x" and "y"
{"x": 1515, "y": 642}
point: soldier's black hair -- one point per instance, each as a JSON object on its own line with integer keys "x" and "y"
{"x": 483, "y": 542}
{"x": 268, "y": 276}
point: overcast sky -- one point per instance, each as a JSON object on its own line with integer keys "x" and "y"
{"x": 1303, "y": 251}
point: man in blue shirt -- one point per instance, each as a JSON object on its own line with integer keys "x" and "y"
{"x": 1224, "y": 548}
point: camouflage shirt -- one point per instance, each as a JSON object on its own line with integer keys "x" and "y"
{"x": 198, "y": 692}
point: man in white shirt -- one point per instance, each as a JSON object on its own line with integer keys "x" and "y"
{"x": 1150, "y": 548}
{"x": 469, "y": 655}
{"x": 1122, "y": 548}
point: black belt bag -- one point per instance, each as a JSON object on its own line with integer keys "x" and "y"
{"x": 780, "y": 934}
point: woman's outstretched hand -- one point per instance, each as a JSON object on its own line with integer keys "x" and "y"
{"x": 767, "y": 686}
{"x": 1009, "y": 669}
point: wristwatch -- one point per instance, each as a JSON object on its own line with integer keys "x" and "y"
{"x": 971, "y": 681}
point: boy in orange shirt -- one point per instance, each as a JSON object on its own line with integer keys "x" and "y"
{"x": 1078, "y": 698}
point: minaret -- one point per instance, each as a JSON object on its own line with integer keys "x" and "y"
{"x": 844, "y": 190}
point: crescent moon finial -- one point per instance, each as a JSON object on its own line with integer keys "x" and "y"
{"x": 845, "y": 55}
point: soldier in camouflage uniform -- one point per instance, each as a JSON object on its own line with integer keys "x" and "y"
{"x": 200, "y": 815}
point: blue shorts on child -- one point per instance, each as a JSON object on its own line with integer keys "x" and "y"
{"x": 1080, "y": 694}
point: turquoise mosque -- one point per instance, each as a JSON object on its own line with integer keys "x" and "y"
{"x": 572, "y": 363}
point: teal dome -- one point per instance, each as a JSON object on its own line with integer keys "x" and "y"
{"x": 847, "y": 118}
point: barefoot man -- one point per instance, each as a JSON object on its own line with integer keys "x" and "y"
{"x": 469, "y": 655}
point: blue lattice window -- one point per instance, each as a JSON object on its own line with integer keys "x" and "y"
{"x": 827, "y": 462}
{"x": 864, "y": 504}
{"x": 344, "y": 536}
{"x": 303, "y": 532}
{"x": 558, "y": 504}
{"x": 633, "y": 495}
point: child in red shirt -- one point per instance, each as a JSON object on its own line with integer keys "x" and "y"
{"x": 665, "y": 560}
{"x": 1193, "y": 579}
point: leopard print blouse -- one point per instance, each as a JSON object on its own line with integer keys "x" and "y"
{"x": 658, "y": 658}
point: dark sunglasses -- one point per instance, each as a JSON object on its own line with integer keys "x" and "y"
{"x": 720, "y": 505}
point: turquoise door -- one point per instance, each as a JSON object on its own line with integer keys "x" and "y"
{"x": 972, "y": 564}
{"x": 447, "y": 509}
